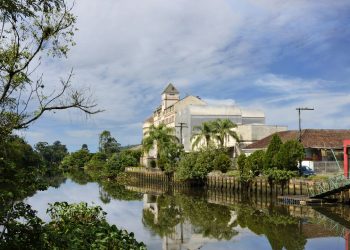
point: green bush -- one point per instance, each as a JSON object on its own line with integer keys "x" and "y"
{"x": 114, "y": 166}
{"x": 79, "y": 226}
{"x": 72, "y": 226}
{"x": 245, "y": 173}
{"x": 197, "y": 165}
{"x": 222, "y": 162}
{"x": 255, "y": 162}
{"x": 186, "y": 167}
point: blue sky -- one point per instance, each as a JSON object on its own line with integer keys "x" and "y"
{"x": 268, "y": 54}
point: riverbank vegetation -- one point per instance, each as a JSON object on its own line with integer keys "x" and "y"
{"x": 109, "y": 162}
{"x": 278, "y": 164}
{"x": 210, "y": 140}
{"x": 210, "y": 153}
{"x": 34, "y": 31}
{"x": 72, "y": 226}
{"x": 23, "y": 171}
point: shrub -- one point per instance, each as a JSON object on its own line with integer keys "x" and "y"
{"x": 255, "y": 162}
{"x": 222, "y": 162}
{"x": 72, "y": 226}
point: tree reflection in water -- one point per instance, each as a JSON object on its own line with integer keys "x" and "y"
{"x": 108, "y": 189}
{"x": 181, "y": 219}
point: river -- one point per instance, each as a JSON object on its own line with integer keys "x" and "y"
{"x": 204, "y": 220}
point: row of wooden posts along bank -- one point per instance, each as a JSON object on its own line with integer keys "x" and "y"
{"x": 295, "y": 186}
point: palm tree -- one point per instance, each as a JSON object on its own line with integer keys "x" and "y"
{"x": 222, "y": 128}
{"x": 161, "y": 136}
{"x": 203, "y": 132}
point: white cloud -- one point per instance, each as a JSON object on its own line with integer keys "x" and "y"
{"x": 128, "y": 50}
{"x": 291, "y": 93}
{"x": 219, "y": 102}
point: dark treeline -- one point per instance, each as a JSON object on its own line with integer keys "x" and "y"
{"x": 23, "y": 171}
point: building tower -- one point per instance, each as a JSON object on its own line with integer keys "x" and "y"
{"x": 170, "y": 96}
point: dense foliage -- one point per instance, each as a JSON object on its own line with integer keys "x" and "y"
{"x": 51, "y": 155}
{"x": 108, "y": 144}
{"x": 107, "y": 163}
{"x": 72, "y": 226}
{"x": 197, "y": 165}
{"x": 272, "y": 151}
{"x": 76, "y": 159}
{"x": 279, "y": 163}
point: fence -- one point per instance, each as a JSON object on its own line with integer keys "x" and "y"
{"x": 328, "y": 167}
{"x": 260, "y": 185}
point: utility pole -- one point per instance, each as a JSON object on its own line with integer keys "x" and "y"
{"x": 181, "y": 126}
{"x": 299, "y": 111}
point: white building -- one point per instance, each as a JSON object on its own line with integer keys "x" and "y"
{"x": 191, "y": 111}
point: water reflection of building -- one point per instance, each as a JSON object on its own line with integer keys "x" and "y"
{"x": 310, "y": 222}
{"x": 184, "y": 235}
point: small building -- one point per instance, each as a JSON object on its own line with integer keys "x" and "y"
{"x": 323, "y": 147}
{"x": 185, "y": 114}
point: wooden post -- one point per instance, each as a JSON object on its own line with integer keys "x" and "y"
{"x": 294, "y": 187}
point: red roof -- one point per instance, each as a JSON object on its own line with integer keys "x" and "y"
{"x": 310, "y": 138}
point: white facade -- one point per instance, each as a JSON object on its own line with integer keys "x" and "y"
{"x": 187, "y": 113}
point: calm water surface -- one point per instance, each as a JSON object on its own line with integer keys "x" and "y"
{"x": 209, "y": 220}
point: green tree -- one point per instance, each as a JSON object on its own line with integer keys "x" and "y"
{"x": 289, "y": 155}
{"x": 169, "y": 157}
{"x": 160, "y": 137}
{"x": 76, "y": 159}
{"x": 255, "y": 162}
{"x": 204, "y": 132}
{"x": 246, "y": 175}
{"x": 52, "y": 155}
{"x": 222, "y": 128}
{"x": 108, "y": 144}
{"x": 114, "y": 166}
{"x": 272, "y": 151}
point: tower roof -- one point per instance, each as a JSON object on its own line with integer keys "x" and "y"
{"x": 170, "y": 89}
